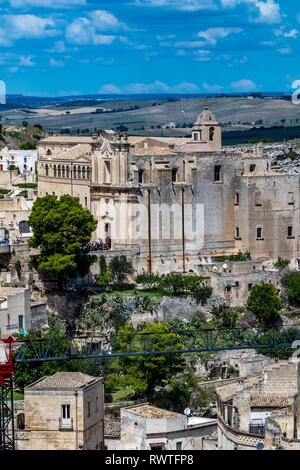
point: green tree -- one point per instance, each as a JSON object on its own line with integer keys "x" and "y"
{"x": 291, "y": 283}
{"x": 104, "y": 278}
{"x": 27, "y": 146}
{"x": 61, "y": 229}
{"x": 144, "y": 373}
{"x": 25, "y": 373}
{"x": 264, "y": 303}
{"x": 202, "y": 294}
{"x": 25, "y": 123}
{"x": 225, "y": 316}
{"x": 120, "y": 268}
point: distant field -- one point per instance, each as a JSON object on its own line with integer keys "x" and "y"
{"x": 151, "y": 115}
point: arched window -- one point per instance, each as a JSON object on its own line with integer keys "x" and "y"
{"x": 211, "y": 133}
{"x": 74, "y": 172}
{"x": 88, "y": 173}
{"x": 54, "y": 170}
{"x": 83, "y": 172}
{"x": 49, "y": 152}
{"x": 68, "y": 172}
{"x": 63, "y": 171}
{"x": 79, "y": 172}
{"x": 59, "y": 171}
{"x": 46, "y": 170}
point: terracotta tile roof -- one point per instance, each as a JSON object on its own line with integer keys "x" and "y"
{"x": 269, "y": 400}
{"x": 63, "y": 381}
{"x": 73, "y": 153}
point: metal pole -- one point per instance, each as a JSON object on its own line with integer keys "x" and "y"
{"x": 149, "y": 231}
{"x": 183, "y": 233}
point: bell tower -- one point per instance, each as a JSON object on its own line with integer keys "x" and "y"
{"x": 207, "y": 130}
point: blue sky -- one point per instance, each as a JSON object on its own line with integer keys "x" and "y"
{"x": 59, "y": 47}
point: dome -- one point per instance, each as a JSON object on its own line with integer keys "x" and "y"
{"x": 207, "y": 118}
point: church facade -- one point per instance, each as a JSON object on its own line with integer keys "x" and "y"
{"x": 173, "y": 204}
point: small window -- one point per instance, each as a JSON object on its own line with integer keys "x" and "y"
{"x": 21, "y": 327}
{"x": 196, "y": 136}
{"x": 290, "y": 231}
{"x": 89, "y": 409}
{"x": 259, "y": 233}
{"x": 237, "y": 232}
{"x": 252, "y": 168}
{"x": 291, "y": 198}
{"x": 174, "y": 175}
{"x": 218, "y": 173}
{"x": 178, "y": 445}
{"x": 85, "y": 202}
{"x": 237, "y": 199}
{"x": 211, "y": 133}
{"x": 141, "y": 176}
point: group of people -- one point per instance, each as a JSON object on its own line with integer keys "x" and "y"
{"x": 99, "y": 246}
{"x": 15, "y": 242}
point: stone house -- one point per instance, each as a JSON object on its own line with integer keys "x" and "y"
{"x": 149, "y": 428}
{"x": 253, "y": 410}
{"x": 18, "y": 314}
{"x": 62, "y": 412}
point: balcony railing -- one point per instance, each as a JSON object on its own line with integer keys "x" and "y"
{"x": 257, "y": 429}
{"x": 66, "y": 424}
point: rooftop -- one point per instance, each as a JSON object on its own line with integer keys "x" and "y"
{"x": 275, "y": 401}
{"x": 67, "y": 139}
{"x": 152, "y": 412}
{"x": 63, "y": 381}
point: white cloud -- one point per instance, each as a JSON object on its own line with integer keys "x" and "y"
{"x": 58, "y": 47}
{"x": 213, "y": 34}
{"x": 243, "y": 85}
{"x": 27, "y": 26}
{"x": 56, "y": 63}
{"x": 212, "y": 88}
{"x": 105, "y": 21}
{"x": 26, "y": 61}
{"x": 46, "y": 3}
{"x": 186, "y": 5}
{"x": 269, "y": 10}
{"x": 85, "y": 30}
{"x": 285, "y": 50}
{"x": 146, "y": 88}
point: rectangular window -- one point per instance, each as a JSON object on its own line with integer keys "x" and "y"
{"x": 237, "y": 199}
{"x": 218, "y": 173}
{"x": 141, "y": 176}
{"x": 291, "y": 198}
{"x": 85, "y": 202}
{"x": 237, "y": 232}
{"x": 21, "y": 322}
{"x": 290, "y": 231}
{"x": 259, "y": 233}
{"x": 107, "y": 174}
{"x": 178, "y": 445}
{"x": 89, "y": 409}
{"x": 174, "y": 175}
{"x": 252, "y": 168}
{"x": 66, "y": 421}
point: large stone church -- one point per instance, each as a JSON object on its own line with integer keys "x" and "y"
{"x": 175, "y": 203}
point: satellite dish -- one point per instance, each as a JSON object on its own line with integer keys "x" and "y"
{"x": 225, "y": 266}
{"x": 187, "y": 412}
